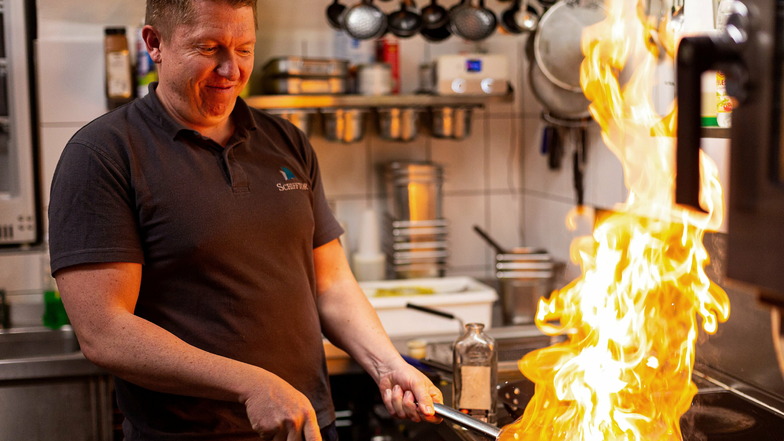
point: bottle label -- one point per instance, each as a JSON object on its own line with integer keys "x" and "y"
{"x": 476, "y": 387}
{"x": 118, "y": 75}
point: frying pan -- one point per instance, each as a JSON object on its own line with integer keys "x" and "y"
{"x": 434, "y": 16}
{"x": 472, "y": 22}
{"x": 334, "y": 14}
{"x": 514, "y": 395}
{"x": 563, "y": 103}
{"x": 404, "y": 22}
{"x": 364, "y": 21}
{"x": 557, "y": 41}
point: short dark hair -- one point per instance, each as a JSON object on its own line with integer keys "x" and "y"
{"x": 165, "y": 15}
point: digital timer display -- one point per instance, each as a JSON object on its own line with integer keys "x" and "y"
{"x": 474, "y": 65}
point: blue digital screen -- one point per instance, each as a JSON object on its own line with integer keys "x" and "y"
{"x": 474, "y": 65}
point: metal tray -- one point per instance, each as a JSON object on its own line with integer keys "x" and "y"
{"x": 304, "y": 86}
{"x": 306, "y": 67}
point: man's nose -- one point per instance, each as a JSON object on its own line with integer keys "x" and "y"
{"x": 228, "y": 66}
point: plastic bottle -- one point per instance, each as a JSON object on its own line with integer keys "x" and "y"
{"x": 119, "y": 77}
{"x": 475, "y": 371}
{"x": 723, "y": 101}
{"x": 699, "y": 20}
{"x": 146, "y": 71}
{"x": 369, "y": 263}
{"x": 54, "y": 315}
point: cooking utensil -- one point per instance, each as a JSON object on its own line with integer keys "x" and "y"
{"x": 500, "y": 249}
{"x": 404, "y": 22}
{"x": 343, "y": 124}
{"x": 335, "y": 14}
{"x": 519, "y": 18}
{"x": 463, "y": 420}
{"x": 436, "y": 312}
{"x": 452, "y": 122}
{"x": 364, "y": 21}
{"x": 437, "y": 34}
{"x": 557, "y": 47}
{"x": 302, "y": 118}
{"x": 434, "y": 16}
{"x": 551, "y": 146}
{"x": 578, "y": 162}
{"x": 398, "y": 123}
{"x": 305, "y": 67}
{"x": 514, "y": 395}
{"x": 472, "y": 21}
{"x": 528, "y": 17}
{"x": 560, "y": 102}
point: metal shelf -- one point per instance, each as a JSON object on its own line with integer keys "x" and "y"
{"x": 364, "y": 101}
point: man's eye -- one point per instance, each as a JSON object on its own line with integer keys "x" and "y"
{"x": 208, "y": 49}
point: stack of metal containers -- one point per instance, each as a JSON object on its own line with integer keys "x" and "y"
{"x": 525, "y": 275}
{"x": 415, "y": 232}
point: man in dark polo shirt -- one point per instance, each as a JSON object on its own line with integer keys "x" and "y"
{"x": 197, "y": 257}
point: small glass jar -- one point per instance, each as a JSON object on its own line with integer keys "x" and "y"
{"x": 475, "y": 364}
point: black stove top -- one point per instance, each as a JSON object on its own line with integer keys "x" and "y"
{"x": 726, "y": 416}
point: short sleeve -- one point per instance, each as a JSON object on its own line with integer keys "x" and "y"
{"x": 91, "y": 215}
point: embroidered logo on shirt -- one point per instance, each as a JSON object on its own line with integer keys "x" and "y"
{"x": 289, "y": 176}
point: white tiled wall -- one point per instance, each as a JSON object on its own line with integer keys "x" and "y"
{"x": 496, "y": 178}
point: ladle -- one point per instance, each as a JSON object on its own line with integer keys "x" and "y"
{"x": 489, "y": 240}
{"x": 527, "y": 18}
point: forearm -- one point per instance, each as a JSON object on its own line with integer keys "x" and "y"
{"x": 350, "y": 322}
{"x": 100, "y": 300}
{"x": 145, "y": 354}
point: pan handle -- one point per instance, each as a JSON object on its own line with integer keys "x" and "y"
{"x": 466, "y": 421}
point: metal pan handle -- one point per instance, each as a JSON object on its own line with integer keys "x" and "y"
{"x": 466, "y": 421}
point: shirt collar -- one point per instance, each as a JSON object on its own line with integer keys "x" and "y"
{"x": 241, "y": 115}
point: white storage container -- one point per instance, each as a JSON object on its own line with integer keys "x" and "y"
{"x": 464, "y": 297}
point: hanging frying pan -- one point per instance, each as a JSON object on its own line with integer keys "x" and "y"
{"x": 559, "y": 102}
{"x": 557, "y": 41}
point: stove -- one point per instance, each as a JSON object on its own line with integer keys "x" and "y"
{"x": 721, "y": 414}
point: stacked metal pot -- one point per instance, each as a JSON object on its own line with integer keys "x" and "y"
{"x": 415, "y": 232}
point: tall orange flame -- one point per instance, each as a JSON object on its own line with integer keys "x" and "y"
{"x": 631, "y": 319}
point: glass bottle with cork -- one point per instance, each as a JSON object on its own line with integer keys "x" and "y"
{"x": 119, "y": 76}
{"x": 475, "y": 371}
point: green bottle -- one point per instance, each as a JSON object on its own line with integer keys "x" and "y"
{"x": 54, "y": 312}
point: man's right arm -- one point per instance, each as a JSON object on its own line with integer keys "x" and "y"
{"x": 100, "y": 300}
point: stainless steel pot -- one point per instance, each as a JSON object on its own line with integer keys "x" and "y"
{"x": 452, "y": 122}
{"x": 398, "y": 123}
{"x": 344, "y": 124}
{"x": 414, "y": 190}
{"x": 302, "y": 118}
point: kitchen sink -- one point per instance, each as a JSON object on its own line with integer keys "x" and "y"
{"x": 37, "y": 342}
{"x": 39, "y": 352}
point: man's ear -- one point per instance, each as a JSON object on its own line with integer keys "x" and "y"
{"x": 152, "y": 39}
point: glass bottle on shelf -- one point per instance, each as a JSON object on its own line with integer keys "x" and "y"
{"x": 475, "y": 364}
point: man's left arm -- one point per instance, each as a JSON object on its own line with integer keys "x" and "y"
{"x": 350, "y": 322}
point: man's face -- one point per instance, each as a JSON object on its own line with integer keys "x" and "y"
{"x": 205, "y": 65}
